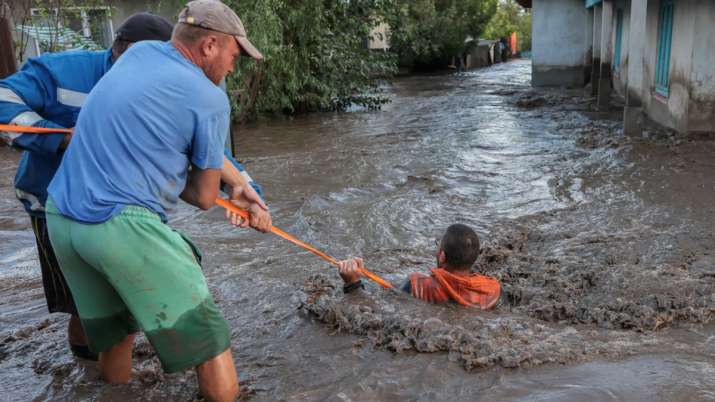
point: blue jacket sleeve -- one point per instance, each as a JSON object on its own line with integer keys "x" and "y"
{"x": 242, "y": 169}
{"x": 23, "y": 98}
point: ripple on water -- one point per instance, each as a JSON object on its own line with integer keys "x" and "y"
{"x": 383, "y": 185}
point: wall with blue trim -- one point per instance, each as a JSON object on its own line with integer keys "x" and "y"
{"x": 621, "y": 55}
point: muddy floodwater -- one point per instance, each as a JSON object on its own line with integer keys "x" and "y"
{"x": 604, "y": 245}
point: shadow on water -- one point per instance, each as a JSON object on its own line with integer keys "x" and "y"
{"x": 565, "y": 205}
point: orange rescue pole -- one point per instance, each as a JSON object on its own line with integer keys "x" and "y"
{"x": 219, "y": 201}
{"x": 33, "y": 130}
{"x": 233, "y": 208}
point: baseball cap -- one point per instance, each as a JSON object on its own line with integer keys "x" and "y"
{"x": 216, "y": 16}
{"x": 145, "y": 26}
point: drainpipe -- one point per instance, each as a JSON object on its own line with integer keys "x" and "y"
{"x": 596, "y": 53}
{"x": 588, "y": 47}
{"x": 604, "y": 81}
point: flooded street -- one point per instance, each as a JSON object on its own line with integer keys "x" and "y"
{"x": 604, "y": 245}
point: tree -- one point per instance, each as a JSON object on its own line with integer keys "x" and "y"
{"x": 510, "y": 17}
{"x": 428, "y": 33}
{"x": 315, "y": 56}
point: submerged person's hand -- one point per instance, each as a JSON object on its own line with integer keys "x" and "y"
{"x": 350, "y": 269}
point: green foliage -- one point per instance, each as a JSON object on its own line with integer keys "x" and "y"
{"x": 427, "y": 33}
{"x": 510, "y": 17}
{"x": 315, "y": 56}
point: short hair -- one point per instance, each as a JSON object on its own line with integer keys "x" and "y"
{"x": 188, "y": 33}
{"x": 120, "y": 46}
{"x": 460, "y": 245}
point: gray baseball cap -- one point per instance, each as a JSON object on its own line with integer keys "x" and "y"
{"x": 216, "y": 16}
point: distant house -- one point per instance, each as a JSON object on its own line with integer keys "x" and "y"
{"x": 658, "y": 54}
{"x": 480, "y": 53}
{"x": 379, "y": 37}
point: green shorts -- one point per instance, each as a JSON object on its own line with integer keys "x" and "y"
{"x": 133, "y": 272}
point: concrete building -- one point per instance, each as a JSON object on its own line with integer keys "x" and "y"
{"x": 659, "y": 55}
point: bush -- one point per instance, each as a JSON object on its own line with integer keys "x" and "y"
{"x": 316, "y": 56}
{"x": 428, "y": 33}
{"x": 511, "y": 17}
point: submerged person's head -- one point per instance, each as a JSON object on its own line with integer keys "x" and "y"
{"x": 459, "y": 248}
{"x": 139, "y": 27}
{"x": 213, "y": 36}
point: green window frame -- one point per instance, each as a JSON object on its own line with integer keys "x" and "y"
{"x": 619, "y": 40}
{"x": 665, "y": 37}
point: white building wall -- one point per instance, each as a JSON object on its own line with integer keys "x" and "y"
{"x": 701, "y": 110}
{"x": 690, "y": 104}
{"x": 638, "y": 37}
{"x": 558, "y": 42}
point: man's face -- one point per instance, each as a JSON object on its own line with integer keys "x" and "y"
{"x": 221, "y": 57}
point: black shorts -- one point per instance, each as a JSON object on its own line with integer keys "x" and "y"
{"x": 57, "y": 293}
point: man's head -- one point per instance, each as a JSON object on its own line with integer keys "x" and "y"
{"x": 459, "y": 248}
{"x": 214, "y": 36}
{"x": 139, "y": 27}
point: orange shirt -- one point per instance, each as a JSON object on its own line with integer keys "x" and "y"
{"x": 473, "y": 290}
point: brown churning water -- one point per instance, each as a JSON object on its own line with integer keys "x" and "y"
{"x": 603, "y": 245}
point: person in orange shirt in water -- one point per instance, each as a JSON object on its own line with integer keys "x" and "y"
{"x": 451, "y": 280}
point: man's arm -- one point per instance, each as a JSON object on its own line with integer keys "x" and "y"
{"x": 242, "y": 170}
{"x": 22, "y": 96}
{"x": 208, "y": 153}
{"x": 231, "y": 177}
{"x": 350, "y": 273}
{"x": 241, "y": 193}
{"x": 201, "y": 187}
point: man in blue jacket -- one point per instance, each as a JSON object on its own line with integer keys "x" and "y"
{"x": 48, "y": 92}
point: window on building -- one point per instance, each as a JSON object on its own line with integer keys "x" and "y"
{"x": 619, "y": 40}
{"x": 665, "y": 35}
